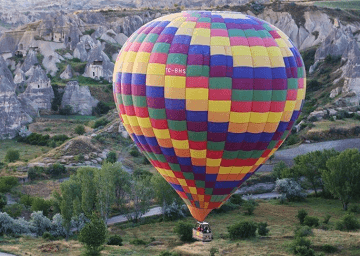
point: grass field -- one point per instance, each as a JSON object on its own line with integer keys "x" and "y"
{"x": 350, "y": 5}
{"x": 280, "y": 218}
{"x": 325, "y": 125}
{"x": 27, "y": 152}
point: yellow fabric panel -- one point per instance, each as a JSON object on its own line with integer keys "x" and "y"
{"x": 133, "y": 121}
{"x": 260, "y": 161}
{"x": 240, "y": 50}
{"x": 130, "y": 57}
{"x": 277, "y": 61}
{"x": 280, "y": 42}
{"x": 274, "y": 117}
{"x": 174, "y": 93}
{"x": 290, "y": 105}
{"x": 197, "y": 105}
{"x": 155, "y": 80}
{"x": 175, "y": 81}
{"x": 201, "y": 32}
{"x": 274, "y": 51}
{"x": 128, "y": 67}
{"x": 162, "y": 133}
{"x": 219, "y": 106}
{"x": 242, "y": 117}
{"x": 156, "y": 69}
{"x": 258, "y": 51}
{"x": 193, "y": 190}
{"x": 259, "y": 117}
{"x": 300, "y": 94}
{"x": 218, "y": 40}
{"x": 243, "y": 61}
{"x": 198, "y": 153}
{"x": 188, "y": 24}
{"x": 213, "y": 162}
{"x": 246, "y": 169}
{"x": 180, "y": 144}
{"x": 144, "y": 122}
{"x": 261, "y": 61}
{"x": 200, "y": 40}
{"x": 185, "y": 31}
{"x": 237, "y": 169}
{"x": 140, "y": 67}
{"x": 197, "y": 94}
{"x": 142, "y": 57}
{"x": 182, "y": 182}
{"x": 225, "y": 170}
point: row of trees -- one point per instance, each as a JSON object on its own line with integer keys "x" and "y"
{"x": 336, "y": 174}
{"x": 111, "y": 188}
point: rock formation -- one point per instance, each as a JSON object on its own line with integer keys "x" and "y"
{"x": 12, "y": 115}
{"x": 79, "y": 98}
{"x": 67, "y": 74}
{"x": 99, "y": 65}
{"x": 30, "y": 60}
{"x": 84, "y": 46}
{"x": 39, "y": 90}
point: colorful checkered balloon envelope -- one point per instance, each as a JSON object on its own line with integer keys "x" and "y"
{"x": 208, "y": 97}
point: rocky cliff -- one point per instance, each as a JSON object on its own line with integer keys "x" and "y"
{"x": 12, "y": 115}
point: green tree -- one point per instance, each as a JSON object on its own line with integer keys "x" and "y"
{"x": 3, "y": 201}
{"x": 12, "y": 155}
{"x": 40, "y": 204}
{"x": 140, "y": 194}
{"x": 165, "y": 195}
{"x": 80, "y": 129}
{"x": 311, "y": 164}
{"x": 66, "y": 206}
{"x": 278, "y": 169}
{"x": 342, "y": 177}
{"x": 86, "y": 177}
{"x": 111, "y": 157}
{"x": 122, "y": 183}
{"x": 93, "y": 235}
{"x": 105, "y": 188}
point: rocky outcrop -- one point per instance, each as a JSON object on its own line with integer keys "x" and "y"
{"x": 30, "y": 60}
{"x": 84, "y": 46}
{"x": 12, "y": 115}
{"x": 67, "y": 74}
{"x": 79, "y": 98}
{"x": 39, "y": 90}
{"x": 109, "y": 36}
{"x": 19, "y": 76}
{"x": 99, "y": 65}
{"x": 121, "y": 39}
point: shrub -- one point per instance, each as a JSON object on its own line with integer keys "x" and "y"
{"x": 137, "y": 241}
{"x": 290, "y": 189}
{"x": 14, "y": 210}
{"x": 348, "y": 222}
{"x": 354, "y": 208}
{"x": 26, "y": 200}
{"x": 7, "y": 183}
{"x": 48, "y": 236}
{"x": 326, "y": 218}
{"x": 111, "y": 157}
{"x": 244, "y": 229}
{"x": 40, "y": 204}
{"x": 278, "y": 168}
{"x": 175, "y": 212}
{"x": 303, "y": 231}
{"x": 100, "y": 122}
{"x": 311, "y": 221}
{"x": 12, "y": 155}
{"x": 329, "y": 248}
{"x": 3, "y": 201}
{"x": 115, "y": 240}
{"x": 93, "y": 235}
{"x": 167, "y": 253}
{"x": 249, "y": 207}
{"x": 262, "y": 229}
{"x": 184, "y": 231}
{"x": 79, "y": 158}
{"x": 213, "y": 251}
{"x": 35, "y": 172}
{"x": 56, "y": 170}
{"x": 101, "y": 109}
{"x": 80, "y": 129}
{"x": 134, "y": 152}
{"x": 39, "y": 223}
{"x": 66, "y": 110}
{"x": 236, "y": 199}
{"x": 301, "y": 246}
{"x": 145, "y": 161}
{"x": 302, "y": 213}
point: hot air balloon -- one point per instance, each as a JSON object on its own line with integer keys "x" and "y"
{"x": 208, "y": 97}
